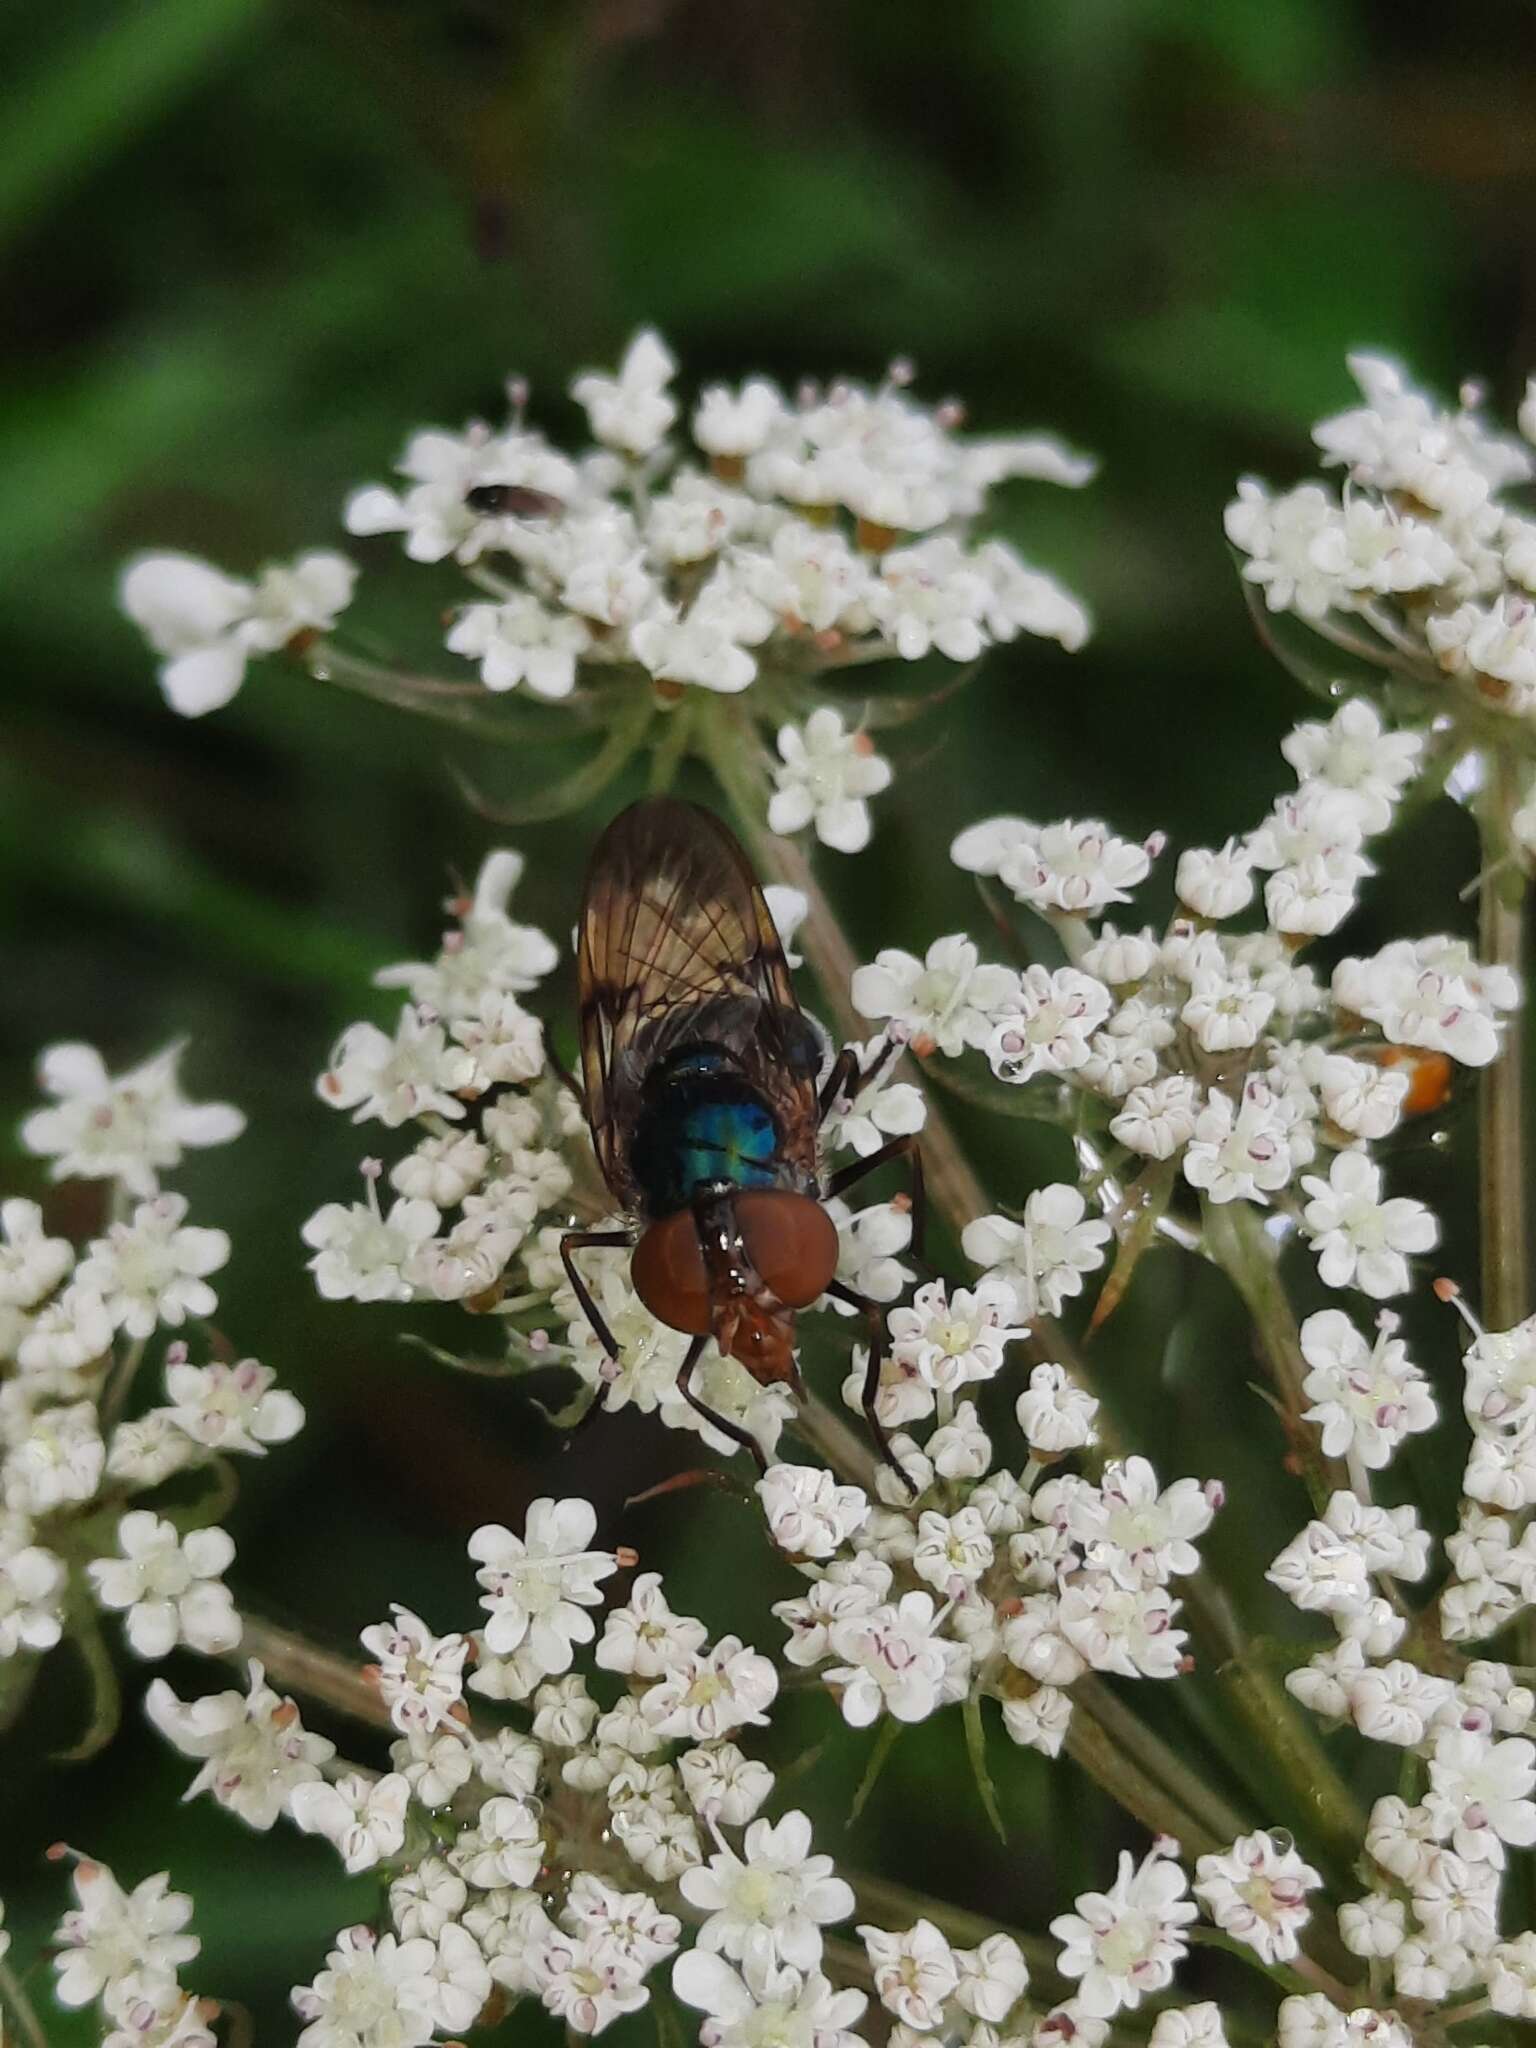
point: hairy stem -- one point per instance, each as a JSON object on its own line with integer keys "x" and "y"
{"x": 14, "y": 2000}
{"x": 739, "y": 762}
{"x": 1115, "y": 1771}
{"x": 1236, "y": 1239}
{"x": 836, "y": 1441}
{"x": 1131, "y": 1735}
{"x": 1501, "y": 1091}
{"x": 899, "y": 1905}
{"x": 738, "y": 759}
{"x": 294, "y": 1663}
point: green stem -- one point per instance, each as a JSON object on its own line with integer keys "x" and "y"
{"x": 1115, "y": 1771}
{"x": 84, "y": 1633}
{"x": 1295, "y": 1978}
{"x": 1501, "y": 1090}
{"x": 1235, "y": 1238}
{"x": 899, "y": 1905}
{"x": 1131, "y": 1735}
{"x": 14, "y": 2000}
{"x": 730, "y": 744}
{"x": 668, "y": 753}
{"x": 1457, "y": 2015}
{"x": 1503, "y": 1230}
{"x": 1299, "y": 1758}
{"x": 120, "y": 1385}
{"x": 836, "y": 1441}
{"x": 291, "y": 1661}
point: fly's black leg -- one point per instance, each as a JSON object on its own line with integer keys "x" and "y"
{"x": 895, "y": 1148}
{"x": 875, "y": 1316}
{"x": 844, "y": 1068}
{"x": 847, "y": 1079}
{"x": 580, "y": 1240}
{"x": 733, "y": 1430}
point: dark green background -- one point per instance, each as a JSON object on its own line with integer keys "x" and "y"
{"x": 245, "y": 247}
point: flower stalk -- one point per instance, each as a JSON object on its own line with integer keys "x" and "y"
{"x": 1501, "y": 1094}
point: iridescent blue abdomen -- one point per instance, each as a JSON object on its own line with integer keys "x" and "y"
{"x": 701, "y": 1122}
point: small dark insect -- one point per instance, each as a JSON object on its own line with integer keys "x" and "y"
{"x": 699, "y": 1078}
{"x": 517, "y": 501}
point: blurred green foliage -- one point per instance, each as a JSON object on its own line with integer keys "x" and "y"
{"x": 245, "y": 247}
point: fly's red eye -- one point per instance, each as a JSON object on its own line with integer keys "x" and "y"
{"x": 669, "y": 1275}
{"x": 791, "y": 1241}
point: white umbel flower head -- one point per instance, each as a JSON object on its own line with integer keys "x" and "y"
{"x": 153, "y": 1269}
{"x": 420, "y": 1675}
{"x": 129, "y": 1128}
{"x": 948, "y": 997}
{"x": 915, "y": 1973}
{"x": 522, "y": 641}
{"x": 1366, "y": 1398}
{"x": 708, "y": 1693}
{"x": 229, "y": 1407}
{"x": 1257, "y": 1890}
{"x": 31, "y": 1263}
{"x": 253, "y": 1747}
{"x": 824, "y": 777}
{"x": 1354, "y": 753}
{"x": 808, "y": 1513}
{"x": 1046, "y": 1028}
{"x": 1360, "y": 1239}
{"x": 770, "y": 1903}
{"x": 32, "y": 1583}
{"x": 362, "y": 1818}
{"x": 892, "y": 1661}
{"x": 1044, "y": 1258}
{"x": 111, "y": 1934}
{"x": 765, "y": 2007}
{"x": 374, "y": 1990}
{"x": 539, "y": 1586}
{"x": 631, "y": 412}
{"x": 363, "y": 1254}
{"x": 171, "y": 1586}
{"x": 1122, "y": 1944}
{"x": 208, "y": 625}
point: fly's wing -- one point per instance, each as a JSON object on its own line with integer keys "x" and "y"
{"x": 676, "y": 946}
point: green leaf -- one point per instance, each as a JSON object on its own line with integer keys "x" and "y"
{"x": 127, "y": 67}
{"x": 976, "y": 1750}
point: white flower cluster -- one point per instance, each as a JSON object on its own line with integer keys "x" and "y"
{"x": 561, "y": 1853}
{"x": 1418, "y": 564}
{"x": 208, "y": 626}
{"x": 1438, "y": 1849}
{"x": 75, "y": 1326}
{"x": 787, "y": 536}
{"x": 1204, "y": 1050}
{"x": 460, "y": 1067}
{"x": 122, "y": 1951}
{"x": 1118, "y": 1947}
{"x": 826, "y": 528}
{"x": 987, "y": 1584}
{"x": 542, "y": 1855}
